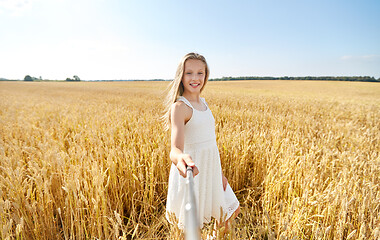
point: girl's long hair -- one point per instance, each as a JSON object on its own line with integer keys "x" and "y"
{"x": 176, "y": 88}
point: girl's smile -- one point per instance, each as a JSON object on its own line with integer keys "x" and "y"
{"x": 194, "y": 85}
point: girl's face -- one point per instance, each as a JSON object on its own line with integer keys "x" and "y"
{"x": 193, "y": 76}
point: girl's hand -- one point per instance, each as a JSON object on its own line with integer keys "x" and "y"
{"x": 224, "y": 179}
{"x": 185, "y": 160}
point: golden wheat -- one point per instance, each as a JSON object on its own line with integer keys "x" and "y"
{"x": 90, "y": 160}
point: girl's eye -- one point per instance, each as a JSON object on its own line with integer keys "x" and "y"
{"x": 200, "y": 73}
{"x": 188, "y": 73}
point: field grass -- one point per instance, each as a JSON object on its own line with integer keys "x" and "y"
{"x": 90, "y": 160}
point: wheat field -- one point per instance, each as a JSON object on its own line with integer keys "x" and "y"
{"x": 89, "y": 160}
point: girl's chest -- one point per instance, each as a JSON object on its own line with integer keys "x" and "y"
{"x": 201, "y": 121}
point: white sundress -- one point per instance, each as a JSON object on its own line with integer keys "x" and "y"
{"x": 200, "y": 144}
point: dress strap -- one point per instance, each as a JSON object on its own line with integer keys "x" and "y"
{"x": 204, "y": 101}
{"x": 183, "y": 99}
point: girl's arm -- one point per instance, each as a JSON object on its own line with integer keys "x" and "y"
{"x": 179, "y": 114}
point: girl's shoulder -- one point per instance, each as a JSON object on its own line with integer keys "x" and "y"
{"x": 183, "y": 101}
{"x": 179, "y": 106}
{"x": 180, "y": 110}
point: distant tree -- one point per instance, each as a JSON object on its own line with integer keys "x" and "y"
{"x": 74, "y": 79}
{"x": 40, "y": 78}
{"x": 28, "y": 78}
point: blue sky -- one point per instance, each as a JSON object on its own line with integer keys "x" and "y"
{"x": 145, "y": 39}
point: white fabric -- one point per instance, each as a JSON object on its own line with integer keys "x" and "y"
{"x": 200, "y": 144}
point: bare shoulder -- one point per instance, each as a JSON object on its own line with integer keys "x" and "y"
{"x": 179, "y": 107}
{"x": 180, "y": 110}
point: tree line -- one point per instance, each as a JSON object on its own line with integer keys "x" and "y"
{"x": 322, "y": 78}
{"x": 29, "y": 78}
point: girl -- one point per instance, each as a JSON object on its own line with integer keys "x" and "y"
{"x": 193, "y": 143}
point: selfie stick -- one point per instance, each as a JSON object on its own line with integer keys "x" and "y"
{"x": 192, "y": 231}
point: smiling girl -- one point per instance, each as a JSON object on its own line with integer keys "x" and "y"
{"x": 193, "y": 143}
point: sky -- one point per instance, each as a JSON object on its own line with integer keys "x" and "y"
{"x": 145, "y": 39}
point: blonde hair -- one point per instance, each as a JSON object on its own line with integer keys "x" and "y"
{"x": 176, "y": 88}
